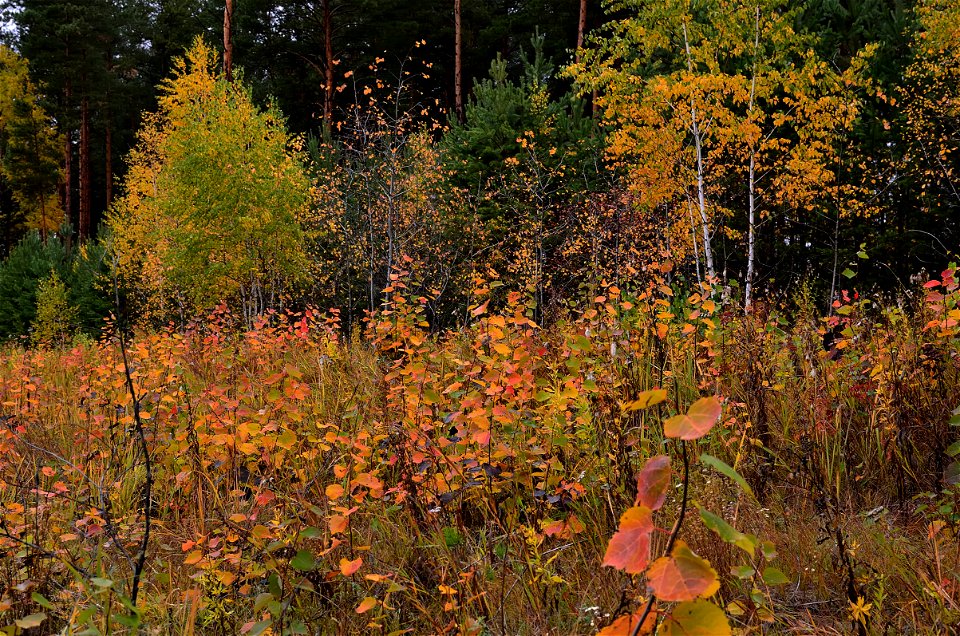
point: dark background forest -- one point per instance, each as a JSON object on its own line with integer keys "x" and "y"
{"x": 96, "y": 67}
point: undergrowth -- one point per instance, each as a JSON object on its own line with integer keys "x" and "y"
{"x": 404, "y": 481}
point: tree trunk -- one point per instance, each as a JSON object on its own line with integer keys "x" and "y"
{"x": 701, "y": 177}
{"x": 328, "y": 80}
{"x": 228, "y": 40}
{"x": 751, "y": 186}
{"x": 83, "y": 226}
{"x": 67, "y": 197}
{"x": 458, "y": 61}
{"x": 108, "y": 168}
{"x": 581, "y": 27}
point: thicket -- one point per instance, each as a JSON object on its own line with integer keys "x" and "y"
{"x": 472, "y": 482}
{"x": 604, "y": 352}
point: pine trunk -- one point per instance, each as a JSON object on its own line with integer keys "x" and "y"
{"x": 581, "y": 26}
{"x": 328, "y": 80}
{"x": 458, "y": 61}
{"x": 83, "y": 227}
{"x": 108, "y": 168}
{"x": 67, "y": 193}
{"x": 228, "y": 40}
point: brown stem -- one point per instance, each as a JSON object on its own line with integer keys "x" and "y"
{"x": 673, "y": 535}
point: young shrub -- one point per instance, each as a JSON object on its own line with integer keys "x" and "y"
{"x": 56, "y": 319}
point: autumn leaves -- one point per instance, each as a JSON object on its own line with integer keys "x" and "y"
{"x": 680, "y": 575}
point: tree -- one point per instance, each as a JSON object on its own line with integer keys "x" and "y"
{"x": 717, "y": 107}
{"x": 528, "y": 156}
{"x": 458, "y": 60}
{"x": 29, "y": 152}
{"x": 82, "y": 272}
{"x": 214, "y": 199}
{"x": 930, "y": 95}
{"x": 56, "y": 320}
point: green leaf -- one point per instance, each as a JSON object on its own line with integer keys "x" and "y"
{"x": 719, "y": 465}
{"x": 696, "y": 618}
{"x": 769, "y": 550}
{"x": 261, "y": 601}
{"x": 543, "y": 396}
{"x": 430, "y": 396}
{"x": 954, "y": 449}
{"x": 849, "y": 273}
{"x": 742, "y": 571}
{"x": 259, "y": 628}
{"x": 311, "y": 533}
{"x": 127, "y": 620}
{"x": 951, "y": 474}
{"x": 101, "y": 582}
{"x": 727, "y": 532}
{"x": 955, "y": 418}
{"x": 33, "y": 620}
{"x": 303, "y": 561}
{"x": 41, "y": 600}
{"x": 773, "y": 576}
{"x": 451, "y": 537}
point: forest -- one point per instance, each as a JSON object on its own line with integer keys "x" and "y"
{"x": 480, "y": 317}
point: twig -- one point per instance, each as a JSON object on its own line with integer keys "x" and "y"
{"x": 148, "y": 465}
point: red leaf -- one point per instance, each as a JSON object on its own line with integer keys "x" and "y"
{"x": 629, "y": 549}
{"x": 697, "y": 421}
{"x": 653, "y": 482}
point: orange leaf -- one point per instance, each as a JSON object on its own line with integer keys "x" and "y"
{"x": 683, "y": 576}
{"x": 334, "y": 491}
{"x": 366, "y": 605}
{"x": 646, "y": 400}
{"x": 338, "y": 523}
{"x": 653, "y": 482}
{"x": 697, "y": 421}
{"x": 629, "y": 549}
{"x": 625, "y": 625}
{"x": 349, "y": 567}
{"x": 193, "y": 557}
{"x": 260, "y": 532}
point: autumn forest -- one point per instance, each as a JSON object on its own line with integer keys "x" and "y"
{"x": 480, "y": 317}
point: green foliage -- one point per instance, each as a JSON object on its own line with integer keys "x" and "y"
{"x": 513, "y": 126}
{"x": 82, "y": 271}
{"x": 30, "y": 151}
{"x": 214, "y": 199}
{"x": 56, "y": 320}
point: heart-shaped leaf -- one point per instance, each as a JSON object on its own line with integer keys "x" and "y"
{"x": 629, "y": 548}
{"x": 683, "y": 576}
{"x": 696, "y": 422}
{"x": 653, "y": 482}
{"x": 699, "y": 618}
